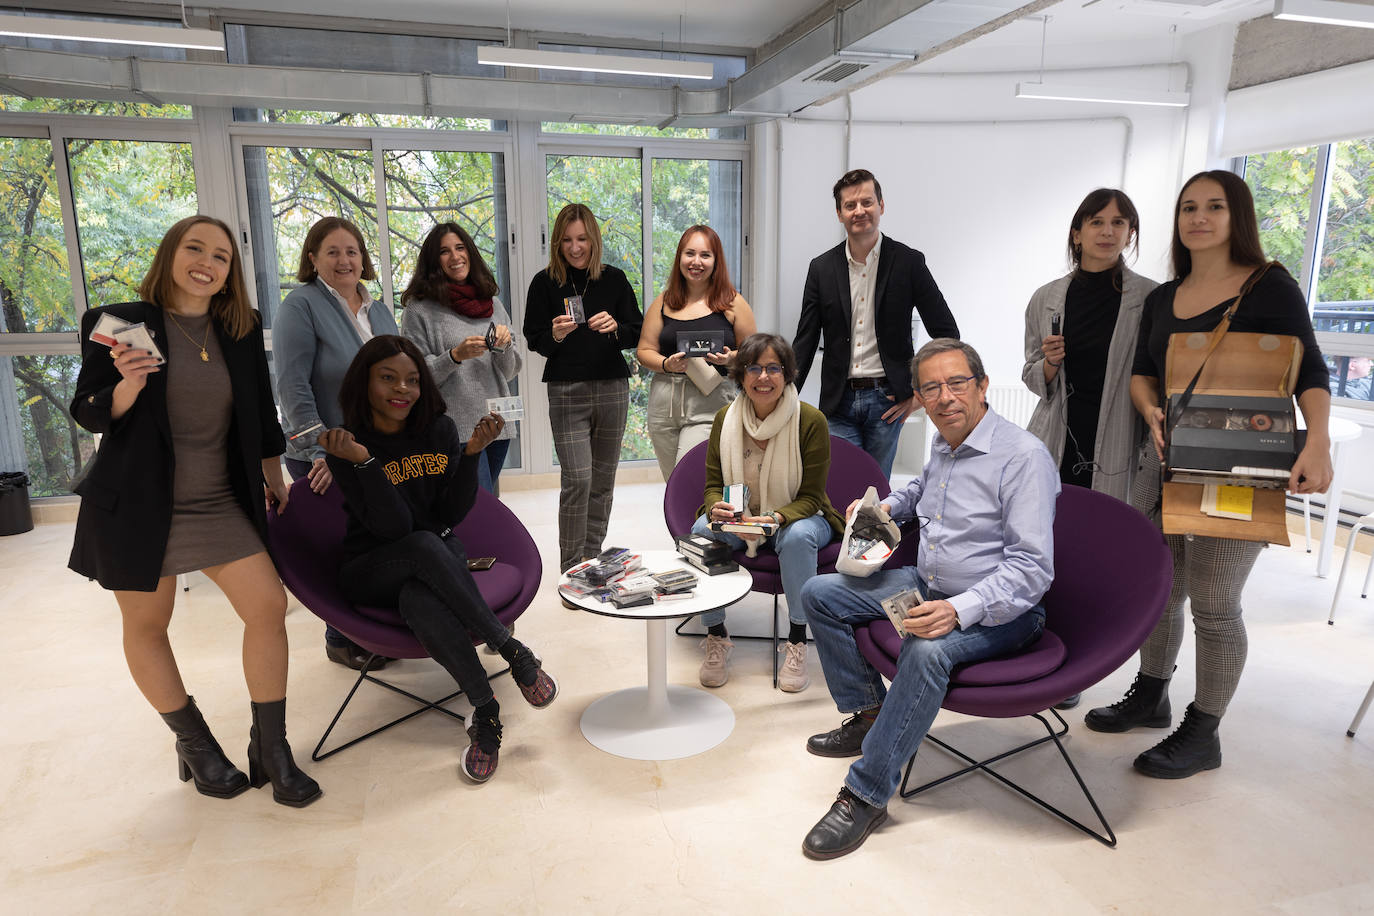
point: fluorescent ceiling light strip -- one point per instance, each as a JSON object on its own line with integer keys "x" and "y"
{"x": 1326, "y": 12}
{"x": 1070, "y": 92}
{"x": 497, "y": 56}
{"x": 111, "y": 32}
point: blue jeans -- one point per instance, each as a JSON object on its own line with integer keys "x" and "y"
{"x": 834, "y": 605}
{"x": 490, "y": 463}
{"x": 859, "y": 420}
{"x": 796, "y": 545}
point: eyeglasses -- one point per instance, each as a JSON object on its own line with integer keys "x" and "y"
{"x": 957, "y": 385}
{"x": 756, "y": 371}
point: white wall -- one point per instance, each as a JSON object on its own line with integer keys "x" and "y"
{"x": 986, "y": 198}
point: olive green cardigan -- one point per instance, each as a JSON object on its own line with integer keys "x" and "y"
{"x": 811, "y": 499}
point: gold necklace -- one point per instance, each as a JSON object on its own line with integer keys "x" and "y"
{"x": 204, "y": 353}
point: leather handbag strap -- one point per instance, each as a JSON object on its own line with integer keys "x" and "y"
{"x": 1217, "y": 333}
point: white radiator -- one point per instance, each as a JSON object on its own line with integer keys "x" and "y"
{"x": 1015, "y": 402}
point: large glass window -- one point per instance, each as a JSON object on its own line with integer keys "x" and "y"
{"x": 289, "y": 188}
{"x": 1332, "y": 255}
{"x": 56, "y": 447}
{"x": 425, "y": 187}
{"x": 688, "y": 192}
{"x": 35, "y": 282}
{"x": 127, "y": 193}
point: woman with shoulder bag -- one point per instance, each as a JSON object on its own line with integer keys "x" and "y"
{"x": 1217, "y": 259}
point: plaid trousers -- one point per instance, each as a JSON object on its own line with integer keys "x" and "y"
{"x": 588, "y": 421}
{"x": 1210, "y": 573}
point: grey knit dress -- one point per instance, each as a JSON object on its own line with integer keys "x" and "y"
{"x": 209, "y": 527}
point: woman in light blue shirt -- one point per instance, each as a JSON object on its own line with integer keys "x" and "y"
{"x": 319, "y": 328}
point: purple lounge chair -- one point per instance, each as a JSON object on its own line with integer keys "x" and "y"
{"x": 307, "y": 544}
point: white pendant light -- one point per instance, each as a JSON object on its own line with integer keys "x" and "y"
{"x": 118, "y": 33}
{"x": 1326, "y": 12}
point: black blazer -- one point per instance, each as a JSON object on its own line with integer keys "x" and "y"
{"x": 904, "y": 283}
{"x": 126, "y": 496}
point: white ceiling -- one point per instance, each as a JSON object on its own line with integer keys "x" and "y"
{"x": 731, "y": 23}
{"x": 1081, "y": 33}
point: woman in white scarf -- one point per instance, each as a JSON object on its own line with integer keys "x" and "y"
{"x": 778, "y": 447}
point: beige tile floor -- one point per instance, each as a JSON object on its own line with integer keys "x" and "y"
{"x": 94, "y": 819}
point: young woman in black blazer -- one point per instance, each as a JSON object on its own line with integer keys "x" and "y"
{"x": 178, "y": 484}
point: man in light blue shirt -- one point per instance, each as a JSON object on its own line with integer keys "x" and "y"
{"x": 986, "y": 502}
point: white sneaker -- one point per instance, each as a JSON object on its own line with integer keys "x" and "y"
{"x": 714, "y": 670}
{"x": 792, "y": 677}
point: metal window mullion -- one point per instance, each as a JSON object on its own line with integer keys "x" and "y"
{"x": 383, "y": 225}
{"x": 646, "y": 223}
{"x": 1316, "y": 225}
{"x": 76, "y": 266}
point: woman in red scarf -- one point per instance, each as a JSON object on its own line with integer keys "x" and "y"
{"x": 450, "y": 306}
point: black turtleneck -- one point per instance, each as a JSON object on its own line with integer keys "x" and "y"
{"x": 1090, "y": 310}
{"x": 584, "y": 354}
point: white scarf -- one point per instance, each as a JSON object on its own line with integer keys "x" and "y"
{"x": 781, "y": 474}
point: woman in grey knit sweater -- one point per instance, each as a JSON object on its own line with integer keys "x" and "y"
{"x": 450, "y": 305}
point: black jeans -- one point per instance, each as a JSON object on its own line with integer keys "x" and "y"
{"x": 427, "y": 580}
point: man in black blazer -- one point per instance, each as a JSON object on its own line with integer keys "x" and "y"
{"x": 861, "y": 294}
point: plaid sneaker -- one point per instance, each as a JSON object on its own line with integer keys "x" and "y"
{"x": 542, "y": 688}
{"x": 479, "y": 757}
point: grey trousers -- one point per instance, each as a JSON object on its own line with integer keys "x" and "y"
{"x": 588, "y": 421}
{"x": 1210, "y": 573}
{"x": 680, "y": 416}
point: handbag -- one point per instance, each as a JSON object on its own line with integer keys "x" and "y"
{"x": 1241, "y": 365}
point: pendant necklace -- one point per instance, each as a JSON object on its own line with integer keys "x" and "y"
{"x": 204, "y": 353}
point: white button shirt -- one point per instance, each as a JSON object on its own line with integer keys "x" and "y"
{"x": 864, "y": 361}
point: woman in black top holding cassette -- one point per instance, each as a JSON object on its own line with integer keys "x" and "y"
{"x": 580, "y": 314}
{"x": 684, "y": 396}
{"x": 407, "y": 479}
{"x": 1216, "y": 252}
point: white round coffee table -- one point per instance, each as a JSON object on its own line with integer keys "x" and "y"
{"x": 661, "y": 721}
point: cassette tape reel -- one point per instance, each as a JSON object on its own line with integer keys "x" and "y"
{"x": 1255, "y": 421}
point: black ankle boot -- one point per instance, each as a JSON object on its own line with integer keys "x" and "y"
{"x": 269, "y": 758}
{"x": 1145, "y": 703}
{"x": 1193, "y": 747}
{"x": 199, "y": 754}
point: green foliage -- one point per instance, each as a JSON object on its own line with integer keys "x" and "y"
{"x": 35, "y": 283}
{"x": 365, "y": 119}
{"x": 93, "y": 107}
{"x": 1282, "y": 184}
{"x": 127, "y": 194}
{"x": 1346, "y": 270}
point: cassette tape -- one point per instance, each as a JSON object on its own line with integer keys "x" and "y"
{"x": 1233, "y": 419}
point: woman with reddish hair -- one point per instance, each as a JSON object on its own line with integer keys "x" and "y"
{"x": 688, "y": 391}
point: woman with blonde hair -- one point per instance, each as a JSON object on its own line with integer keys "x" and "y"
{"x": 189, "y": 444}
{"x": 579, "y": 315}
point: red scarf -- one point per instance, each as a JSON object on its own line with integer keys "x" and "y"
{"x": 462, "y": 299}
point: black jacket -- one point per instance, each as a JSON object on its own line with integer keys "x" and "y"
{"x": 903, "y": 284}
{"x": 126, "y": 497}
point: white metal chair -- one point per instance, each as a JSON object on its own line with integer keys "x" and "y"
{"x": 1364, "y": 708}
{"x": 1365, "y": 521}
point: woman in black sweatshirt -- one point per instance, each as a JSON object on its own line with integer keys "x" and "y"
{"x": 407, "y": 479}
{"x": 579, "y": 315}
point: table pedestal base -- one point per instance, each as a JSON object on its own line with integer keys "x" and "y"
{"x": 625, "y": 723}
